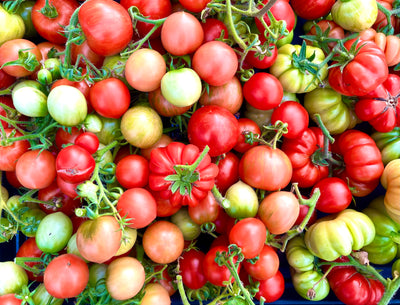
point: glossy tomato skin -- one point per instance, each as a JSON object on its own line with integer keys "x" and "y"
{"x": 294, "y": 115}
{"x": 106, "y": 25}
{"x": 335, "y": 195}
{"x": 266, "y": 266}
{"x": 133, "y": 171}
{"x": 228, "y": 172}
{"x": 205, "y": 211}
{"x": 281, "y": 11}
{"x": 272, "y": 288}
{"x": 312, "y": 9}
{"x": 11, "y": 153}
{"x": 51, "y": 28}
{"x": 191, "y": 268}
{"x": 10, "y": 299}
{"x": 205, "y": 128}
{"x": 246, "y": 126}
{"x": 163, "y": 106}
{"x": 89, "y": 141}
{"x": 213, "y": 28}
{"x": 30, "y": 249}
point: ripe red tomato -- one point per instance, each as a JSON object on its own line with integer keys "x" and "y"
{"x": 263, "y": 91}
{"x": 272, "y": 288}
{"x": 266, "y": 266}
{"x": 266, "y": 60}
{"x": 132, "y": 171}
{"x": 295, "y": 115}
{"x": 77, "y": 51}
{"x": 11, "y": 153}
{"x": 30, "y": 249}
{"x": 10, "y": 299}
{"x": 213, "y": 28}
{"x": 205, "y": 211}
{"x": 281, "y": 11}
{"x": 228, "y": 171}
{"x": 164, "y": 108}
{"x": 89, "y": 141}
{"x": 66, "y": 136}
{"x": 195, "y": 6}
{"x": 214, "y": 126}
{"x": 246, "y": 125}
{"x": 191, "y": 269}
{"x": 312, "y": 9}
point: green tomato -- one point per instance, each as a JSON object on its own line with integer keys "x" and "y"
{"x": 54, "y": 232}
{"x": 312, "y": 279}
{"x": 285, "y": 40}
{"x": 67, "y": 105}
{"x": 31, "y": 220}
{"x": 116, "y": 65}
{"x": 298, "y": 256}
{"x": 72, "y": 247}
{"x": 12, "y": 278}
{"x": 25, "y": 11}
{"x": 189, "y": 228}
{"x": 336, "y": 113}
{"x": 396, "y": 268}
{"x": 6, "y": 230}
{"x": 109, "y": 128}
{"x": 243, "y": 200}
{"x": 290, "y": 71}
{"x": 42, "y": 297}
{"x": 388, "y": 143}
{"x": 181, "y": 87}
{"x": 29, "y": 99}
{"x": 93, "y": 123}
{"x": 11, "y": 26}
{"x": 97, "y": 273}
{"x": 355, "y": 15}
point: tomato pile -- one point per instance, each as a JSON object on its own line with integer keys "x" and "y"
{"x": 158, "y": 151}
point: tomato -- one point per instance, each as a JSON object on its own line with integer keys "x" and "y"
{"x": 89, "y": 141}
{"x": 66, "y": 136}
{"x": 46, "y": 46}
{"x": 260, "y": 165}
{"x": 281, "y": 10}
{"x": 9, "y": 52}
{"x": 205, "y": 211}
{"x": 262, "y": 61}
{"x": 335, "y": 195}
{"x": 30, "y": 249}
{"x": 110, "y": 97}
{"x": 212, "y": 28}
{"x": 279, "y": 211}
{"x": 191, "y": 269}
{"x": 153, "y": 10}
{"x": 67, "y": 105}
{"x": 36, "y": 169}
{"x": 263, "y": 91}
{"x": 10, "y": 153}
{"x": 243, "y": 200}
{"x": 10, "y": 299}
{"x": 134, "y": 202}
{"x": 144, "y": 69}
{"x": 42, "y": 297}
{"x": 66, "y": 276}
{"x": 30, "y": 99}
{"x": 228, "y": 171}
{"x": 141, "y": 126}
{"x": 12, "y": 26}
{"x": 155, "y": 294}
{"x": 74, "y": 164}
{"x": 334, "y": 31}
{"x": 107, "y": 129}
{"x": 50, "y": 24}
{"x": 205, "y": 125}
{"x": 190, "y": 229}
{"x": 164, "y": 206}
{"x": 163, "y": 107}
{"x": 312, "y": 9}
{"x": 91, "y": 235}
{"x": 164, "y": 141}
{"x": 163, "y": 242}
{"x": 6, "y": 80}
{"x": 124, "y": 278}
{"x": 355, "y": 15}
{"x": 249, "y": 234}
{"x": 218, "y": 69}
{"x": 363, "y": 73}
{"x": 12, "y": 278}
{"x": 107, "y": 26}
{"x": 194, "y": 6}
{"x": 266, "y": 266}
{"x": 181, "y": 33}
{"x": 294, "y": 115}
{"x": 181, "y": 87}
{"x": 81, "y": 54}
{"x": 229, "y": 95}
{"x": 132, "y": 171}
{"x": 214, "y": 273}
{"x": 272, "y": 288}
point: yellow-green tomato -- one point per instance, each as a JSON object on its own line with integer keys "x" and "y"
{"x": 12, "y": 278}
{"x": 189, "y": 228}
{"x": 11, "y": 26}
{"x": 355, "y": 15}
{"x": 243, "y": 200}
{"x": 67, "y": 105}
{"x": 305, "y": 281}
{"x": 141, "y": 126}
{"x": 181, "y": 87}
{"x": 29, "y": 99}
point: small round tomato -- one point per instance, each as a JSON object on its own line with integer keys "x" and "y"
{"x": 272, "y": 288}
{"x": 205, "y": 211}
{"x": 191, "y": 269}
{"x": 163, "y": 107}
{"x": 335, "y": 195}
{"x": 228, "y": 171}
{"x": 213, "y": 28}
{"x": 243, "y": 200}
{"x": 266, "y": 266}
{"x": 10, "y": 299}
{"x": 12, "y": 152}
{"x": 132, "y": 171}
{"x": 12, "y": 278}
{"x": 155, "y": 293}
{"x": 295, "y": 115}
{"x": 245, "y": 126}
{"x": 263, "y": 91}
{"x": 30, "y": 249}
{"x": 89, "y": 141}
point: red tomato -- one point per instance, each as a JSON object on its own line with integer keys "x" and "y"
{"x": 12, "y": 179}
{"x": 77, "y": 51}
{"x": 195, "y": 6}
{"x": 181, "y": 33}
{"x": 246, "y": 125}
{"x": 295, "y": 115}
{"x": 205, "y": 211}
{"x": 263, "y": 91}
{"x": 303, "y": 212}
{"x": 265, "y": 168}
{"x": 166, "y": 280}
{"x": 228, "y": 171}
{"x": 263, "y": 61}
{"x": 110, "y": 97}
{"x": 281, "y": 11}
{"x": 335, "y": 195}
{"x": 51, "y": 25}
{"x": 36, "y": 169}
{"x": 9, "y": 52}
{"x": 272, "y": 288}
{"x": 74, "y": 164}
{"x": 67, "y": 188}
{"x": 205, "y": 126}
{"x": 213, "y": 28}
{"x": 138, "y": 206}
{"x": 164, "y": 108}
{"x": 30, "y": 249}
{"x": 164, "y": 206}
{"x": 66, "y": 136}
{"x": 215, "y": 62}
{"x": 334, "y": 30}
{"x": 107, "y": 26}
{"x": 10, "y": 299}
{"x": 66, "y": 276}
{"x": 46, "y": 46}
{"x": 191, "y": 269}
{"x": 266, "y": 266}
{"x": 164, "y": 141}
{"x": 312, "y": 9}
{"x": 249, "y": 234}
{"x": 89, "y": 141}
{"x": 132, "y": 171}
{"x": 6, "y": 80}
{"x": 11, "y": 153}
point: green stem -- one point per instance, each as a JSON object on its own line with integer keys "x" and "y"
{"x": 49, "y": 10}
{"x": 231, "y": 26}
{"x": 181, "y": 290}
{"x": 223, "y": 202}
{"x": 21, "y": 261}
{"x": 264, "y": 10}
{"x": 391, "y": 289}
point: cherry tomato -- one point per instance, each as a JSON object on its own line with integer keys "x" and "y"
{"x": 266, "y": 266}
{"x": 335, "y": 195}
{"x": 191, "y": 269}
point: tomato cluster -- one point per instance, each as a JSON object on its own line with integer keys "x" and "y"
{"x": 162, "y": 150}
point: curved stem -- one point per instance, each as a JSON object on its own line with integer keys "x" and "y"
{"x": 223, "y": 202}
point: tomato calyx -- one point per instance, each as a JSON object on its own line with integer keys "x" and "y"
{"x": 49, "y": 10}
{"x": 388, "y": 29}
{"x": 11, "y": 7}
{"x": 25, "y": 59}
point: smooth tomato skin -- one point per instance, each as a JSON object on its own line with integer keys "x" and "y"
{"x": 335, "y": 195}
{"x": 163, "y": 242}
{"x": 67, "y": 188}
{"x": 295, "y": 115}
{"x": 260, "y": 165}
{"x": 272, "y": 288}
{"x": 162, "y": 142}
{"x": 279, "y": 211}
{"x": 303, "y": 212}
{"x": 9, "y": 52}
{"x": 12, "y": 26}
{"x": 10, "y": 154}
{"x": 89, "y": 141}
{"x": 51, "y": 29}
{"x": 84, "y": 49}
{"x": 213, "y": 28}
{"x": 181, "y": 33}
{"x": 144, "y": 69}
{"x": 312, "y": 9}
{"x": 266, "y": 266}
{"x": 195, "y": 6}
{"x": 107, "y": 26}
{"x": 246, "y": 125}
{"x": 228, "y": 171}
{"x": 205, "y": 211}
{"x": 264, "y": 63}
{"x": 281, "y": 11}
{"x": 249, "y": 234}
{"x": 66, "y": 276}
{"x": 164, "y": 108}
{"x": 6, "y": 79}
{"x": 191, "y": 269}
{"x": 30, "y": 249}
{"x": 110, "y": 97}
{"x": 36, "y": 169}
{"x": 10, "y": 299}
{"x": 156, "y": 293}
{"x": 134, "y": 202}
{"x": 263, "y": 91}
{"x": 132, "y": 171}
{"x": 205, "y": 125}
{"x": 215, "y": 62}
